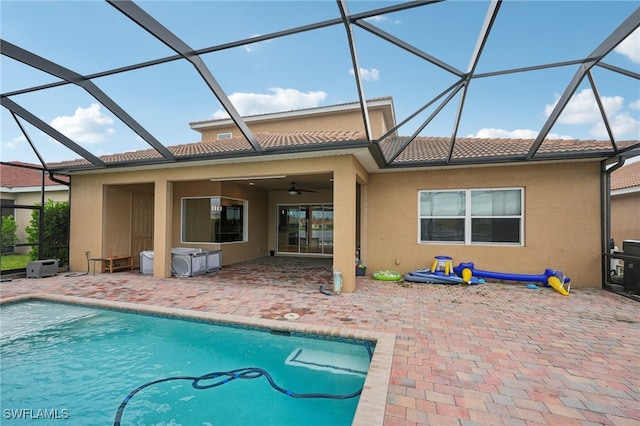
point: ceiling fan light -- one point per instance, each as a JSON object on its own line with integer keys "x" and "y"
{"x": 293, "y": 192}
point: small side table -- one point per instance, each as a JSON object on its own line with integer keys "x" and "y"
{"x": 98, "y": 259}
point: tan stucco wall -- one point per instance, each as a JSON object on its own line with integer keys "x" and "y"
{"x": 103, "y": 200}
{"x": 562, "y": 220}
{"x": 625, "y": 217}
{"x": 562, "y": 214}
{"x": 23, "y": 216}
{"x": 339, "y": 121}
{"x": 255, "y": 246}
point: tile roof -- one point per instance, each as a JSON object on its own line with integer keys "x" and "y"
{"x": 269, "y": 141}
{"x": 423, "y": 151}
{"x": 20, "y": 177}
{"x": 436, "y": 149}
{"x": 626, "y": 176}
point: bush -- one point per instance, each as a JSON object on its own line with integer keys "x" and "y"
{"x": 9, "y": 236}
{"x": 55, "y": 240}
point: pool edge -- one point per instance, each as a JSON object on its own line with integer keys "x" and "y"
{"x": 371, "y": 406}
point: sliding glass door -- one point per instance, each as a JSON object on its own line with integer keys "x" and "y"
{"x": 305, "y": 229}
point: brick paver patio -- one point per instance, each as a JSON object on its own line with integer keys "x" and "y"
{"x": 489, "y": 354}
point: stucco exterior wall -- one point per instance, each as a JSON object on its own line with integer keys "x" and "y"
{"x": 339, "y": 121}
{"x": 256, "y": 244}
{"x": 625, "y": 217}
{"x": 562, "y": 220}
{"x": 101, "y": 206}
{"x": 23, "y": 216}
{"x": 562, "y": 214}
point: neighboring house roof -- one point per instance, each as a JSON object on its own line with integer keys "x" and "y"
{"x": 627, "y": 176}
{"x": 24, "y": 176}
{"x": 422, "y": 151}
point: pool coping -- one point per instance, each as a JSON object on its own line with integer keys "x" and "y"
{"x": 373, "y": 399}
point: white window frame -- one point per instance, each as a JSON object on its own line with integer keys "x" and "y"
{"x": 227, "y": 135}
{"x": 245, "y": 220}
{"x": 468, "y": 217}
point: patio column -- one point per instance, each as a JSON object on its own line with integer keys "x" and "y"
{"x": 163, "y": 196}
{"x": 344, "y": 224}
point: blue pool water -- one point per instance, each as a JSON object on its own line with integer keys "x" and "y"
{"x": 76, "y": 365}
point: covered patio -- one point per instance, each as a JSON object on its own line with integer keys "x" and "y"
{"x": 486, "y": 354}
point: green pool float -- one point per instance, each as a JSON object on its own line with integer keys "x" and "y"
{"x": 387, "y": 275}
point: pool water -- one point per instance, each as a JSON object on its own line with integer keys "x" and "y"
{"x": 70, "y": 362}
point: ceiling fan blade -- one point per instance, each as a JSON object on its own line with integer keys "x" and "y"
{"x": 297, "y": 191}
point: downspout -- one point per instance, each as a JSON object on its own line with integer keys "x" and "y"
{"x": 56, "y": 180}
{"x": 605, "y": 191}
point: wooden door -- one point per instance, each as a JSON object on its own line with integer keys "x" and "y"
{"x": 141, "y": 225}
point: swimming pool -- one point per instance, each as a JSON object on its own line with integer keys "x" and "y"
{"x": 81, "y": 363}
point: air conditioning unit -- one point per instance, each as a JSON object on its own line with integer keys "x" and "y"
{"x": 42, "y": 268}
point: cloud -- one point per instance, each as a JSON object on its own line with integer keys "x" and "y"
{"x": 583, "y": 109}
{"x": 378, "y": 19}
{"x": 252, "y": 47}
{"x": 491, "y": 133}
{"x": 630, "y": 46}
{"x": 14, "y": 142}
{"x": 13, "y": 145}
{"x": 621, "y": 124}
{"x": 86, "y": 125}
{"x": 279, "y": 100}
{"x": 368, "y": 75}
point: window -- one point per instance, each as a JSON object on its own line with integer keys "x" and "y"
{"x": 213, "y": 220}
{"x": 472, "y": 216}
{"x": 224, "y": 136}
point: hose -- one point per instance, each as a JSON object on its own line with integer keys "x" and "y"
{"x": 220, "y": 378}
{"x": 80, "y": 274}
{"x": 323, "y": 291}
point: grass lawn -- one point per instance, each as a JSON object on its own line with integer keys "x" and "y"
{"x": 13, "y": 261}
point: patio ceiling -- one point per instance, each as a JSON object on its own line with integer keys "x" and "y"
{"x": 583, "y": 73}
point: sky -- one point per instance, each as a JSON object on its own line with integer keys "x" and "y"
{"x": 313, "y": 69}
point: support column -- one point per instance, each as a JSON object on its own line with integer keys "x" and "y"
{"x": 344, "y": 224}
{"x": 162, "y": 218}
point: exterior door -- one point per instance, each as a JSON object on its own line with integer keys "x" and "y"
{"x": 305, "y": 229}
{"x": 141, "y": 225}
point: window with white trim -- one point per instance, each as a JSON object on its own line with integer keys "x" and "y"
{"x": 214, "y": 220}
{"x": 472, "y": 216}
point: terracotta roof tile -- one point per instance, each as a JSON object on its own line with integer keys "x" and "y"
{"x": 20, "y": 177}
{"x": 626, "y": 176}
{"x": 436, "y": 149}
{"x": 421, "y": 150}
{"x": 238, "y": 145}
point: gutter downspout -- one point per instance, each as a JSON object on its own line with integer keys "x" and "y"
{"x": 605, "y": 190}
{"x": 56, "y": 180}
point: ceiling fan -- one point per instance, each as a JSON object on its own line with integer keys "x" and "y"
{"x": 297, "y": 191}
